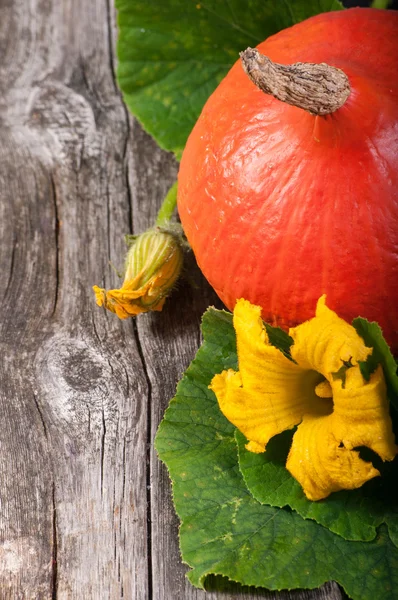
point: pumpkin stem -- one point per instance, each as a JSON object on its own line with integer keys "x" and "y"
{"x": 317, "y": 88}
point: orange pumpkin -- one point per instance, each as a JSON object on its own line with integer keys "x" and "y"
{"x": 280, "y": 205}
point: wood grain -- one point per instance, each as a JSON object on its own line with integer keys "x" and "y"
{"x": 86, "y": 508}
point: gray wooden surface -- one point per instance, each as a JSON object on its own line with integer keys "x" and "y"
{"x": 85, "y": 506}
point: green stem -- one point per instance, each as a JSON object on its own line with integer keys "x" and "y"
{"x": 380, "y": 3}
{"x": 168, "y": 205}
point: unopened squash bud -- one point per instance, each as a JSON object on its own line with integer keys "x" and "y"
{"x": 153, "y": 265}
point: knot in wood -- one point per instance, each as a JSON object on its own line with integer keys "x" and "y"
{"x": 74, "y": 376}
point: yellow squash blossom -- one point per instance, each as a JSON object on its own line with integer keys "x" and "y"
{"x": 153, "y": 265}
{"x": 323, "y": 392}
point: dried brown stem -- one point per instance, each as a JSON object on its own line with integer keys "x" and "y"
{"x": 317, "y": 88}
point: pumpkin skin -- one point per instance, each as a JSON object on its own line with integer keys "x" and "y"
{"x": 281, "y": 206}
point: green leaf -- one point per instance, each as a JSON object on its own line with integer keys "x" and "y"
{"x": 380, "y": 3}
{"x": 172, "y": 55}
{"x": 224, "y": 530}
{"x": 354, "y": 514}
{"x": 373, "y": 337}
{"x": 280, "y": 339}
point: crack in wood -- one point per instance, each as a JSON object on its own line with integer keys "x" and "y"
{"x": 110, "y": 36}
{"x": 125, "y": 162}
{"x": 54, "y": 563}
{"x": 40, "y": 415}
{"x": 94, "y": 325}
{"x": 127, "y": 380}
{"x": 129, "y": 193}
{"x": 11, "y": 272}
{"x": 108, "y": 226}
{"x": 123, "y": 486}
{"x": 85, "y": 79}
{"x": 148, "y": 458}
{"x": 57, "y": 246}
{"x": 103, "y": 436}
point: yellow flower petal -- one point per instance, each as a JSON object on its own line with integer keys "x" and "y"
{"x": 100, "y": 295}
{"x": 321, "y": 464}
{"x": 361, "y": 413}
{"x": 326, "y": 341}
{"x": 270, "y": 393}
{"x": 322, "y": 457}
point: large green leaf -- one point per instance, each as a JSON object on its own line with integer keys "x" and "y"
{"x": 353, "y": 515}
{"x": 172, "y": 54}
{"x": 224, "y": 530}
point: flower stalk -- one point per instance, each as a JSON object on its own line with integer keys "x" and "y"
{"x": 167, "y": 208}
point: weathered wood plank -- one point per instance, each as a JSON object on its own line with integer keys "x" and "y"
{"x": 74, "y": 395}
{"x": 26, "y": 517}
{"x": 85, "y": 506}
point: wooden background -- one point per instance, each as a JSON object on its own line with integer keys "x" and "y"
{"x": 85, "y": 506}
